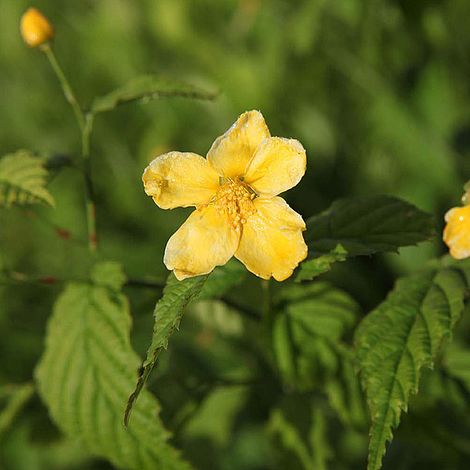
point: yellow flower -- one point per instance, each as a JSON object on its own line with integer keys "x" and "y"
{"x": 35, "y": 28}
{"x": 457, "y": 232}
{"x": 235, "y": 192}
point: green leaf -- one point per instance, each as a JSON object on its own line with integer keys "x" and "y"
{"x": 168, "y": 312}
{"x": 366, "y": 225}
{"x": 402, "y": 335}
{"x": 87, "y": 369}
{"x": 23, "y": 180}
{"x": 308, "y": 330}
{"x": 146, "y": 88}
{"x": 312, "y": 268}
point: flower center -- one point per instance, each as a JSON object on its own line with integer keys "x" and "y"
{"x": 234, "y": 199}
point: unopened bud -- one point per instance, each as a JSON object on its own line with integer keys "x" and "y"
{"x": 35, "y": 28}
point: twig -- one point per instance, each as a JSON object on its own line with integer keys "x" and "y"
{"x": 85, "y": 124}
{"x": 66, "y": 88}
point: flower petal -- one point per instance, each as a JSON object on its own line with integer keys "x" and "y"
{"x": 231, "y": 152}
{"x": 457, "y": 232}
{"x": 204, "y": 241}
{"x": 272, "y": 243}
{"x": 180, "y": 179}
{"x": 277, "y": 166}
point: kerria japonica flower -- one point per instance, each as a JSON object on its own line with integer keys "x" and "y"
{"x": 457, "y": 230}
{"x": 238, "y": 210}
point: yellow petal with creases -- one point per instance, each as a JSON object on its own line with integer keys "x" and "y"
{"x": 277, "y": 166}
{"x": 180, "y": 179}
{"x": 231, "y": 152}
{"x": 204, "y": 241}
{"x": 272, "y": 243}
{"x": 457, "y": 232}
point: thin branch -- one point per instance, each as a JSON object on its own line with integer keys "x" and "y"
{"x": 85, "y": 124}
{"x": 64, "y": 83}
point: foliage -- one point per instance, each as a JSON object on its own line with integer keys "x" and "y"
{"x": 307, "y": 334}
{"x": 232, "y": 372}
{"x": 168, "y": 312}
{"x": 314, "y": 267}
{"x": 16, "y": 397}
{"x": 23, "y": 180}
{"x": 368, "y": 225}
{"x": 400, "y": 337}
{"x": 87, "y": 369}
{"x": 145, "y": 89}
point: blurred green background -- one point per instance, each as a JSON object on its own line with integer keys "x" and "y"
{"x": 378, "y": 93}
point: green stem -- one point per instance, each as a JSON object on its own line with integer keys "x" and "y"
{"x": 85, "y": 123}
{"x": 66, "y": 88}
{"x": 89, "y": 190}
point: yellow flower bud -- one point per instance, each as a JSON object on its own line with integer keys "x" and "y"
{"x": 457, "y": 232}
{"x": 35, "y": 28}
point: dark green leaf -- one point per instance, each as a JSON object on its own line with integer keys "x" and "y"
{"x": 367, "y": 225}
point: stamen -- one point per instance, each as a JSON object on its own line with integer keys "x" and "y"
{"x": 235, "y": 200}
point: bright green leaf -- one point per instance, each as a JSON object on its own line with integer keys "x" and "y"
{"x": 368, "y": 224}
{"x": 402, "y": 335}
{"x": 168, "y": 312}
{"x": 87, "y": 370}
{"x": 23, "y": 180}
{"x": 146, "y": 88}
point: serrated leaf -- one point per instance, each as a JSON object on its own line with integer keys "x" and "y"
{"x": 87, "y": 369}
{"x": 312, "y": 268}
{"x": 168, "y": 312}
{"x": 400, "y": 337}
{"x": 368, "y": 224}
{"x": 23, "y": 180}
{"x": 146, "y": 88}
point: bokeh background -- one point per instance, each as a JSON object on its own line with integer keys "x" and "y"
{"x": 378, "y": 93}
